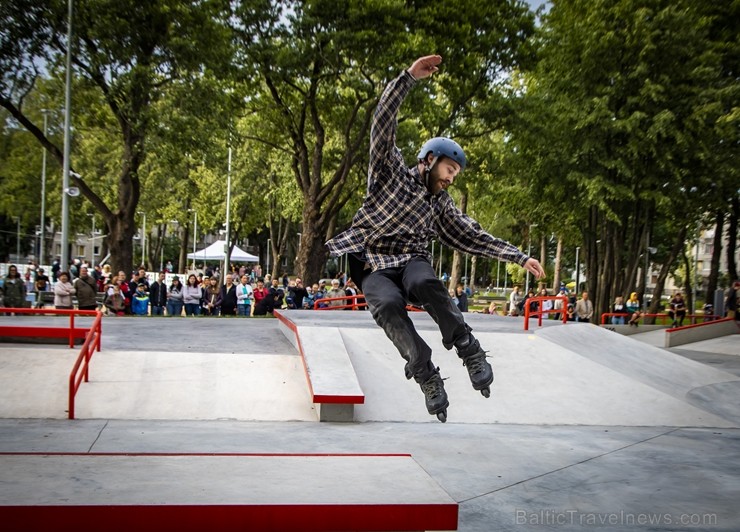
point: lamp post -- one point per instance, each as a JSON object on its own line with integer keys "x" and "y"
{"x": 228, "y": 227}
{"x": 269, "y": 252}
{"x": 92, "y": 242}
{"x": 143, "y": 239}
{"x": 578, "y": 270}
{"x": 529, "y": 252}
{"x": 18, "y": 240}
{"x": 67, "y": 140}
{"x": 43, "y": 190}
{"x": 195, "y": 233}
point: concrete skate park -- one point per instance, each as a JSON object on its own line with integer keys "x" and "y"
{"x": 306, "y": 422}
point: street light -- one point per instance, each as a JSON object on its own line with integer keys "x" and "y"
{"x": 143, "y": 239}
{"x": 529, "y": 252}
{"x": 578, "y": 270}
{"x": 269, "y": 252}
{"x": 67, "y": 140}
{"x": 43, "y": 189}
{"x": 228, "y": 228}
{"x": 195, "y": 233}
{"x": 18, "y": 240}
{"x": 92, "y": 242}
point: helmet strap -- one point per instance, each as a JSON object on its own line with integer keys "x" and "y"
{"x": 428, "y": 170}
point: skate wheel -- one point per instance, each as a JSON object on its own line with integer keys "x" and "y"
{"x": 486, "y": 392}
{"x": 442, "y": 416}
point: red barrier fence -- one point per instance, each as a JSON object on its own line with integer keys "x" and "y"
{"x": 528, "y": 312}
{"x": 355, "y": 303}
{"x": 92, "y": 336}
{"x": 663, "y": 317}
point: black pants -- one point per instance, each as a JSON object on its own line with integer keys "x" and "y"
{"x": 388, "y": 291}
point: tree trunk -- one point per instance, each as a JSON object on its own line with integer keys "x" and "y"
{"x": 473, "y": 263}
{"x": 732, "y": 239}
{"x": 457, "y": 257}
{"x": 665, "y": 269}
{"x": 121, "y": 231}
{"x": 688, "y": 284}
{"x": 719, "y": 227}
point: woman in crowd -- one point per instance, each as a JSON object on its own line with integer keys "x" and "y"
{"x": 212, "y": 298}
{"x": 618, "y": 308}
{"x": 14, "y": 289}
{"x": 633, "y": 308}
{"x": 63, "y": 292}
{"x": 175, "y": 298}
{"x": 192, "y": 296}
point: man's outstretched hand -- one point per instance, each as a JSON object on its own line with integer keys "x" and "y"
{"x": 425, "y": 66}
{"x": 534, "y": 267}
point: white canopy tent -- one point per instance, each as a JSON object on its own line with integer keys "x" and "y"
{"x": 217, "y": 251}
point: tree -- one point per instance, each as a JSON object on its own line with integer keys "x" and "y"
{"x": 620, "y": 98}
{"x": 320, "y": 66}
{"x": 127, "y": 51}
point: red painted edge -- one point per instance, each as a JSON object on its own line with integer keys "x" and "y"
{"x": 42, "y": 332}
{"x": 266, "y": 455}
{"x": 706, "y": 323}
{"x": 278, "y": 517}
{"x": 331, "y": 399}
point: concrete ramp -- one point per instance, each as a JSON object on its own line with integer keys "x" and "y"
{"x": 537, "y": 381}
{"x": 704, "y": 387}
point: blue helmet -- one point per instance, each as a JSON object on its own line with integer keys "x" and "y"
{"x": 439, "y": 146}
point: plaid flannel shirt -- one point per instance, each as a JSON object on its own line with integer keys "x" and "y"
{"x": 399, "y": 215}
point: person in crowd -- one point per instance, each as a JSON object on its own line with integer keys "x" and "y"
{"x": 260, "y": 292}
{"x": 87, "y": 290}
{"x": 286, "y": 280}
{"x": 175, "y": 297}
{"x": 298, "y": 293}
{"x": 140, "y": 301}
{"x": 525, "y": 302}
{"x": 266, "y": 305}
{"x": 318, "y": 295}
{"x": 142, "y": 278}
{"x": 244, "y": 297}
{"x": 708, "y": 311}
{"x": 275, "y": 286}
{"x": 63, "y": 292}
{"x": 228, "y": 296}
{"x": 547, "y": 304}
{"x": 115, "y": 301}
{"x": 41, "y": 284}
{"x": 169, "y": 267}
{"x": 632, "y": 306}
{"x": 106, "y": 274}
{"x": 732, "y": 301}
{"x": 453, "y": 296}
{"x": 558, "y": 304}
{"x": 192, "y": 296}
{"x": 491, "y": 309}
{"x": 211, "y": 301}
{"x": 515, "y": 298}
{"x": 462, "y": 298}
{"x": 335, "y": 292}
{"x": 677, "y": 310}
{"x": 14, "y": 289}
{"x": 158, "y": 295}
{"x": 570, "y": 312}
{"x": 309, "y": 299}
{"x": 56, "y": 267}
{"x": 584, "y": 309}
{"x": 619, "y": 307}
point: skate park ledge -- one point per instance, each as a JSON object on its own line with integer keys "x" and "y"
{"x": 701, "y": 331}
{"x": 194, "y": 492}
{"x": 331, "y": 377}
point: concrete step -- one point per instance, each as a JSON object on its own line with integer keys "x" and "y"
{"x": 184, "y": 492}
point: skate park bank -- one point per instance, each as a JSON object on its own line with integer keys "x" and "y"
{"x": 581, "y": 425}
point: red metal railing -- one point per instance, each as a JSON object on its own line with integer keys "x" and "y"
{"x": 81, "y": 369}
{"x": 354, "y": 304}
{"x": 663, "y": 317}
{"x": 528, "y": 312}
{"x": 92, "y": 337}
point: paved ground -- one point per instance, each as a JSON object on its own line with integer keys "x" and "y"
{"x": 568, "y": 475}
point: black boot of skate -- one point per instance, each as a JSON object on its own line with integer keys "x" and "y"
{"x": 435, "y": 395}
{"x": 479, "y": 370}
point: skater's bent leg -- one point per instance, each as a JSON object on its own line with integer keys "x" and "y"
{"x": 387, "y": 303}
{"x": 423, "y": 287}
